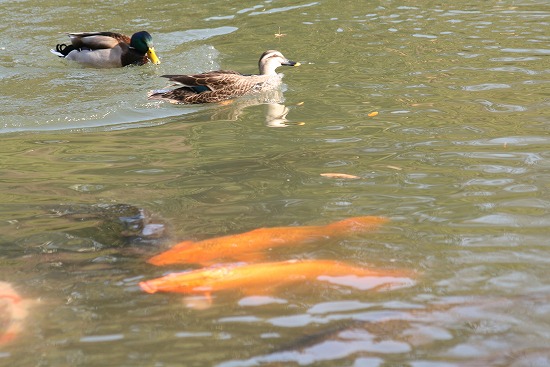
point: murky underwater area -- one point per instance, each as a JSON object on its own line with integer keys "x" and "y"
{"x": 432, "y": 115}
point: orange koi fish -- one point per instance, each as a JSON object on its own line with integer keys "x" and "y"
{"x": 246, "y": 246}
{"x": 14, "y": 310}
{"x": 262, "y": 277}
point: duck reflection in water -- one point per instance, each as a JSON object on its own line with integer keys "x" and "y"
{"x": 275, "y": 110}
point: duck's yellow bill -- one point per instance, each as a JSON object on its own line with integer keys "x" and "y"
{"x": 153, "y": 56}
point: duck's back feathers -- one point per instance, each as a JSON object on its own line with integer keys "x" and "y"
{"x": 212, "y": 79}
{"x": 97, "y": 40}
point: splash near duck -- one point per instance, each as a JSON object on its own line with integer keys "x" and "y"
{"x": 222, "y": 85}
{"x": 263, "y": 277}
{"x": 248, "y": 246}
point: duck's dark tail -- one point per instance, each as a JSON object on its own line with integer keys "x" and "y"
{"x": 181, "y": 95}
{"x": 62, "y": 50}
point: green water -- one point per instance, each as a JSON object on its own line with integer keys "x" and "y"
{"x": 457, "y": 158}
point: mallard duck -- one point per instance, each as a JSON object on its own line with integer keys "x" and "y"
{"x": 220, "y": 85}
{"x": 108, "y": 49}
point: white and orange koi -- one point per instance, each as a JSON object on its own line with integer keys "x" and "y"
{"x": 263, "y": 277}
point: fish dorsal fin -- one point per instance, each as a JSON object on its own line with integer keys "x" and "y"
{"x": 182, "y": 244}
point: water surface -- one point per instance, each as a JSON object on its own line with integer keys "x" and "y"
{"x": 457, "y": 158}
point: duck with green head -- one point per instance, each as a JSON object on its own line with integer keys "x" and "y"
{"x": 221, "y": 85}
{"x": 108, "y": 49}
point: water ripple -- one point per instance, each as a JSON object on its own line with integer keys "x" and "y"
{"x": 512, "y": 220}
{"x": 486, "y": 86}
{"x": 283, "y": 9}
{"x": 533, "y": 51}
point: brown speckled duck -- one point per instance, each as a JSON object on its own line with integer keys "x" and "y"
{"x": 220, "y": 85}
{"x": 108, "y": 49}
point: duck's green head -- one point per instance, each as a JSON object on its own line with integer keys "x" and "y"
{"x": 143, "y": 42}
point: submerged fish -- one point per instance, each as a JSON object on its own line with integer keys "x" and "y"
{"x": 263, "y": 277}
{"x": 246, "y": 246}
{"x": 13, "y": 311}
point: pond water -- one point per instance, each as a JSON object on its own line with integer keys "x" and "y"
{"x": 457, "y": 157}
